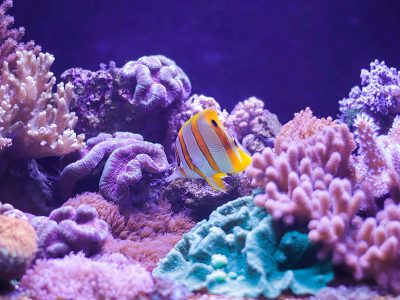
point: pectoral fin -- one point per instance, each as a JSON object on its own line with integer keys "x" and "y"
{"x": 216, "y": 182}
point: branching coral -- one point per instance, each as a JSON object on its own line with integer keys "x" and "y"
{"x": 35, "y": 122}
{"x": 17, "y": 247}
{"x": 70, "y": 230}
{"x": 10, "y": 38}
{"x": 318, "y": 181}
{"x": 304, "y": 125}
{"x": 239, "y": 251}
{"x": 152, "y": 81}
{"x": 129, "y": 160}
{"x": 378, "y": 96}
{"x": 77, "y": 277}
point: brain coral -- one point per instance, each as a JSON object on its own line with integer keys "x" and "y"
{"x": 70, "y": 230}
{"x": 79, "y": 278}
{"x": 17, "y": 247}
{"x": 239, "y": 251}
{"x": 152, "y": 81}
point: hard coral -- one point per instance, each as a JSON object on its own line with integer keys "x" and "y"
{"x": 152, "y": 81}
{"x": 8, "y": 210}
{"x": 35, "y": 122}
{"x": 10, "y": 38}
{"x": 92, "y": 100}
{"x": 77, "y": 277}
{"x": 17, "y": 247}
{"x": 378, "y": 96}
{"x": 129, "y": 160}
{"x": 239, "y": 251}
{"x": 70, "y": 230}
{"x": 319, "y": 182}
{"x": 304, "y": 125}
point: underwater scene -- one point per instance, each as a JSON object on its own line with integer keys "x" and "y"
{"x": 183, "y": 150}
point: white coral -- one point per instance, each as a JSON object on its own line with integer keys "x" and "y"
{"x": 34, "y": 121}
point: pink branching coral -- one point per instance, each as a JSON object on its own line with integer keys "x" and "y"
{"x": 10, "y": 38}
{"x": 35, "y": 121}
{"x": 17, "y": 247}
{"x": 77, "y": 277}
{"x": 303, "y": 125}
{"x": 316, "y": 179}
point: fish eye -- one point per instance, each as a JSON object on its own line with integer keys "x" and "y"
{"x": 214, "y": 123}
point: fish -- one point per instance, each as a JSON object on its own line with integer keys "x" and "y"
{"x": 205, "y": 149}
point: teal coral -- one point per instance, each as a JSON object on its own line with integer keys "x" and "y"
{"x": 240, "y": 251}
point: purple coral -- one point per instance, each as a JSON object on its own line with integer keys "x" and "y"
{"x": 129, "y": 158}
{"x": 10, "y": 38}
{"x": 152, "y": 81}
{"x": 378, "y": 96}
{"x": 77, "y": 277}
{"x": 70, "y": 230}
{"x": 92, "y": 100}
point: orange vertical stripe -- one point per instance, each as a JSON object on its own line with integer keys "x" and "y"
{"x": 202, "y": 145}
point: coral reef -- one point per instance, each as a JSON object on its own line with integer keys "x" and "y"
{"x": 145, "y": 234}
{"x": 35, "y": 121}
{"x": 378, "y": 96}
{"x": 70, "y": 230}
{"x": 77, "y": 277}
{"x": 10, "y": 38}
{"x": 199, "y": 198}
{"x": 129, "y": 160}
{"x": 24, "y": 184}
{"x": 239, "y": 251}
{"x": 167, "y": 290}
{"x": 17, "y": 247}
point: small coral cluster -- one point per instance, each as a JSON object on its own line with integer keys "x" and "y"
{"x": 378, "y": 96}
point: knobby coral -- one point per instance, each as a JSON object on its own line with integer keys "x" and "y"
{"x": 70, "y": 230}
{"x": 92, "y": 100}
{"x": 17, "y": 247}
{"x": 152, "y": 81}
{"x": 239, "y": 251}
{"x": 378, "y": 96}
{"x": 35, "y": 122}
{"x": 129, "y": 161}
{"x": 7, "y": 209}
{"x": 77, "y": 277}
{"x": 10, "y": 38}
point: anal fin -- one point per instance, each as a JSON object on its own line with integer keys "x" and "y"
{"x": 216, "y": 182}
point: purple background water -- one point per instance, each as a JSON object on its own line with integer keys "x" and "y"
{"x": 292, "y": 54}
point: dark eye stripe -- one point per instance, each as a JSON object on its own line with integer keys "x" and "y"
{"x": 214, "y": 123}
